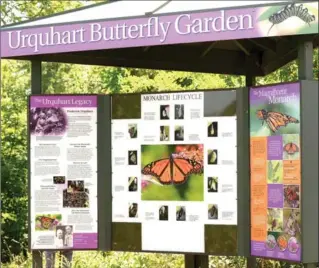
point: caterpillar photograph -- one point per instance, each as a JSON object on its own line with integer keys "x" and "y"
{"x": 289, "y": 11}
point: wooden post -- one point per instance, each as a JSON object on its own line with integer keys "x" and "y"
{"x": 305, "y": 60}
{"x": 36, "y": 88}
{"x": 196, "y": 261}
{"x": 36, "y": 259}
{"x": 250, "y": 81}
{"x": 305, "y": 72}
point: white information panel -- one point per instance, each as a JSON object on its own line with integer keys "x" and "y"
{"x": 174, "y": 170}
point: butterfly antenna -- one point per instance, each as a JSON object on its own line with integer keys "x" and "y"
{"x": 270, "y": 29}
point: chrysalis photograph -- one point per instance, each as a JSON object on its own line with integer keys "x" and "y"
{"x": 132, "y": 157}
{"x": 133, "y": 210}
{"x": 163, "y": 213}
{"x": 180, "y": 213}
{"x": 212, "y": 129}
{"x": 132, "y": 184}
{"x": 164, "y": 133}
{"x": 164, "y": 112}
{"x": 213, "y": 212}
{"x": 212, "y": 157}
{"x": 179, "y": 111}
{"x": 179, "y": 133}
{"x": 212, "y": 184}
{"x": 132, "y": 130}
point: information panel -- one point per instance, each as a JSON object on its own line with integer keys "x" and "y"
{"x": 174, "y": 167}
{"x": 275, "y": 171}
{"x": 63, "y": 171}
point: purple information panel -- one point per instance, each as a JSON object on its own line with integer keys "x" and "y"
{"x": 275, "y": 171}
{"x": 63, "y": 172}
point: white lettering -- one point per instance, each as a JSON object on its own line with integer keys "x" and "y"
{"x": 164, "y": 30}
{"x": 242, "y": 22}
{"x": 177, "y": 24}
{"x": 95, "y": 30}
{"x": 231, "y": 20}
{"x": 17, "y": 45}
{"x": 221, "y": 20}
{"x": 54, "y": 34}
{"x": 131, "y": 30}
{"x": 197, "y": 26}
{"x": 33, "y": 42}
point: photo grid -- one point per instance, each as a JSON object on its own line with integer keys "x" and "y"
{"x": 170, "y": 150}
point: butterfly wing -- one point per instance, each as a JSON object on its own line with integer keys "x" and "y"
{"x": 287, "y": 147}
{"x": 275, "y": 120}
{"x": 295, "y": 148}
{"x": 182, "y": 168}
{"x": 159, "y": 169}
{"x": 46, "y": 222}
{"x": 291, "y": 148}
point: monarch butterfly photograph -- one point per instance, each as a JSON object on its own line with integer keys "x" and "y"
{"x": 291, "y": 147}
{"x": 275, "y": 219}
{"x": 273, "y": 115}
{"x": 47, "y": 222}
{"x": 291, "y": 196}
{"x": 282, "y": 242}
{"x": 275, "y": 120}
{"x": 173, "y": 172}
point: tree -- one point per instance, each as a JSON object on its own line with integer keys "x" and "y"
{"x": 15, "y": 88}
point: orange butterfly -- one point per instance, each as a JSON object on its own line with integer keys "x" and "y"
{"x": 172, "y": 170}
{"x": 291, "y": 148}
{"x": 46, "y": 222}
{"x": 275, "y": 120}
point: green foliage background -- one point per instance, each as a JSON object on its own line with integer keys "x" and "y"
{"x": 68, "y": 78}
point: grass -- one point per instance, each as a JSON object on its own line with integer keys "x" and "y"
{"x": 96, "y": 259}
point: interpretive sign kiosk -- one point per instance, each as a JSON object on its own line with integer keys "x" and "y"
{"x": 275, "y": 213}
